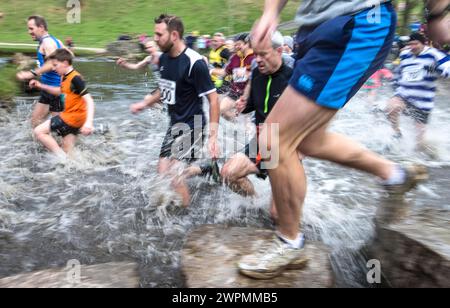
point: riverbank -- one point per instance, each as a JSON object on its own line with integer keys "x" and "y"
{"x": 102, "y": 22}
{"x": 7, "y": 49}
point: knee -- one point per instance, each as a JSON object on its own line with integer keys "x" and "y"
{"x": 226, "y": 172}
{"x": 37, "y": 133}
{"x": 394, "y": 108}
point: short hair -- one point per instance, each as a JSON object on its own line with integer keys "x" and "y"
{"x": 39, "y": 21}
{"x": 244, "y": 37}
{"x": 61, "y": 55}
{"x": 277, "y": 40}
{"x": 173, "y": 23}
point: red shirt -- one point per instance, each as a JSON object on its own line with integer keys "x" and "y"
{"x": 240, "y": 69}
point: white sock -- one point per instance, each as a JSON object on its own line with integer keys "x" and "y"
{"x": 298, "y": 243}
{"x": 398, "y": 177}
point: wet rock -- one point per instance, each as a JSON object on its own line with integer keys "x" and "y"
{"x": 210, "y": 255}
{"x": 125, "y": 49}
{"x": 413, "y": 251}
{"x": 109, "y": 275}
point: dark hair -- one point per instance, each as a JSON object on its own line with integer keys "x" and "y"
{"x": 244, "y": 37}
{"x": 173, "y": 23}
{"x": 416, "y": 36}
{"x": 39, "y": 21}
{"x": 62, "y": 55}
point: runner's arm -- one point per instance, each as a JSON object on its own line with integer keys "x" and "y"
{"x": 56, "y": 91}
{"x": 214, "y": 117}
{"x": 148, "y": 102}
{"x": 153, "y": 98}
{"x": 262, "y": 31}
{"x": 135, "y": 66}
{"x": 90, "y": 111}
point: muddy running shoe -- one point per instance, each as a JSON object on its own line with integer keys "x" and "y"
{"x": 415, "y": 174}
{"x": 272, "y": 259}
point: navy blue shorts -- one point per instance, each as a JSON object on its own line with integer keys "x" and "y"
{"x": 336, "y": 58}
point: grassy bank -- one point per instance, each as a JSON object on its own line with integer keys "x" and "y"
{"x": 102, "y": 21}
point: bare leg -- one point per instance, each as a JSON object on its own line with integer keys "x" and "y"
{"x": 69, "y": 143}
{"x": 421, "y": 130}
{"x": 40, "y": 112}
{"x": 395, "y": 107}
{"x": 235, "y": 171}
{"x": 342, "y": 150}
{"x": 298, "y": 118}
{"x": 172, "y": 168}
{"x": 42, "y": 134}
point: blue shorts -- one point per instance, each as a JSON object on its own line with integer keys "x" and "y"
{"x": 336, "y": 58}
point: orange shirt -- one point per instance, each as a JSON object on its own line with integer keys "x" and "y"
{"x": 75, "y": 112}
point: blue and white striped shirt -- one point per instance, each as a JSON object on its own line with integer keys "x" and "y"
{"x": 416, "y": 76}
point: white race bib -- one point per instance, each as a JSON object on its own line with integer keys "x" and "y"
{"x": 168, "y": 90}
{"x": 413, "y": 74}
{"x": 240, "y": 75}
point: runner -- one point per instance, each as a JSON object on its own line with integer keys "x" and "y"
{"x": 152, "y": 60}
{"x": 239, "y": 68}
{"x": 38, "y": 30}
{"x": 218, "y": 56}
{"x": 184, "y": 82}
{"x": 341, "y": 46}
{"x": 375, "y": 82}
{"x": 78, "y": 117}
{"x": 416, "y": 77}
{"x": 269, "y": 80}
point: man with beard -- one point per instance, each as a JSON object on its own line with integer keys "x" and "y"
{"x": 184, "y": 82}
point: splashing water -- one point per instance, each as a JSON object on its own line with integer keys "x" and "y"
{"x": 107, "y": 203}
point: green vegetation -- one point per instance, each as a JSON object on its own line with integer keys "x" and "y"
{"x": 9, "y": 86}
{"x": 102, "y": 21}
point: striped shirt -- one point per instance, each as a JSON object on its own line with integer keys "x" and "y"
{"x": 415, "y": 78}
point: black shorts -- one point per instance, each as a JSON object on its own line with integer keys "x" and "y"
{"x": 183, "y": 145}
{"x": 419, "y": 115}
{"x": 61, "y": 128}
{"x": 53, "y": 101}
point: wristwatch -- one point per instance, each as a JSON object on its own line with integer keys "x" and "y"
{"x": 431, "y": 16}
{"x": 34, "y": 73}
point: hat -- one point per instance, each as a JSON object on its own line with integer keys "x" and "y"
{"x": 416, "y": 36}
{"x": 289, "y": 41}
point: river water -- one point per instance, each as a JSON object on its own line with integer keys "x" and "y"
{"x": 102, "y": 205}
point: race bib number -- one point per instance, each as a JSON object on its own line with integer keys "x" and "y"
{"x": 413, "y": 74}
{"x": 168, "y": 89}
{"x": 240, "y": 75}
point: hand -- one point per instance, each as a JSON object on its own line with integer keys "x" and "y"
{"x": 261, "y": 34}
{"x": 241, "y": 103}
{"x": 35, "y": 84}
{"x": 87, "y": 129}
{"x": 137, "y": 108}
{"x": 25, "y": 75}
{"x": 213, "y": 148}
{"x": 121, "y": 62}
